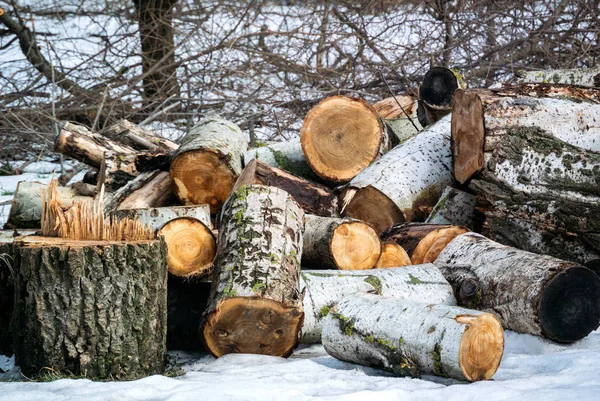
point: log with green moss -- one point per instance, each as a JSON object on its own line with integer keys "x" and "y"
{"x": 589, "y": 77}
{"x": 454, "y": 207}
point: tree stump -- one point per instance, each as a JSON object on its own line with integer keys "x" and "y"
{"x": 324, "y": 288}
{"x": 529, "y": 293}
{"x": 255, "y": 304}
{"x": 93, "y": 308}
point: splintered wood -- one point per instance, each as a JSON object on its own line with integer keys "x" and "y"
{"x": 79, "y": 222}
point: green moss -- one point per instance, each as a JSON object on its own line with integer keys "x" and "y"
{"x": 386, "y": 344}
{"x": 325, "y": 311}
{"x": 414, "y": 280}
{"x": 375, "y": 282}
{"x": 346, "y": 324}
{"x": 438, "y": 369}
{"x": 370, "y": 339}
{"x": 258, "y": 286}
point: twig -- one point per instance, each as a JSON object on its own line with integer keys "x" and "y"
{"x": 396, "y": 100}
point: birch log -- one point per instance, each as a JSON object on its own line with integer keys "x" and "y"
{"x": 324, "y": 288}
{"x": 529, "y": 293}
{"x": 208, "y": 162}
{"x": 454, "y": 207}
{"x": 400, "y": 114}
{"x": 341, "y": 136}
{"x": 313, "y": 198}
{"x": 255, "y": 304}
{"x": 481, "y": 118}
{"x": 393, "y": 189}
{"x": 413, "y": 338}
{"x": 345, "y": 244}
{"x": 136, "y": 137}
{"x": 589, "y": 77}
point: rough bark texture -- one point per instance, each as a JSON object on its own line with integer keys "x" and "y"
{"x": 313, "y": 198}
{"x": 412, "y": 338}
{"x": 333, "y": 243}
{"x": 481, "y": 119}
{"x": 136, "y": 137}
{"x": 157, "y": 217}
{"x": 6, "y": 294}
{"x": 117, "y": 169}
{"x": 26, "y": 208}
{"x": 411, "y": 176}
{"x": 454, "y": 207}
{"x": 256, "y": 275}
{"x": 96, "y": 309}
{"x": 208, "y": 162}
{"x": 324, "y": 288}
{"x": 149, "y": 189}
{"x": 530, "y": 293}
{"x": 589, "y": 77}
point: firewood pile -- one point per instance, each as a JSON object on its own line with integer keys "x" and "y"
{"x": 405, "y": 235}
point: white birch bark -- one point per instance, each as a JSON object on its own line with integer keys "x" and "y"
{"x": 287, "y": 156}
{"x": 157, "y": 217}
{"x": 454, "y": 207}
{"x": 589, "y": 77}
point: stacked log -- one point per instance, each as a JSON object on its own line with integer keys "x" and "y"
{"x": 589, "y": 77}
{"x": 435, "y": 94}
{"x": 454, "y": 207}
{"x": 136, "y": 137}
{"x": 400, "y": 114}
{"x": 392, "y": 255}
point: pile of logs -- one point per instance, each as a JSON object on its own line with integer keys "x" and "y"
{"x": 363, "y": 234}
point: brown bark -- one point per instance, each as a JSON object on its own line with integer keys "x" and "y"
{"x": 149, "y": 189}
{"x": 138, "y": 138}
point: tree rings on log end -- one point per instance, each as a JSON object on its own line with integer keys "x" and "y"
{"x": 392, "y": 255}
{"x": 430, "y": 247}
{"x": 202, "y": 177}
{"x": 467, "y": 135}
{"x": 374, "y": 207}
{"x": 355, "y": 246}
{"x": 191, "y": 246}
{"x": 569, "y": 307}
{"x": 481, "y": 346}
{"x": 340, "y": 137}
{"x": 252, "y": 326}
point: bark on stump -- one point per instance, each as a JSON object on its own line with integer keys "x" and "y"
{"x": 341, "y": 136}
{"x": 589, "y": 77}
{"x": 392, "y": 255}
{"x": 412, "y": 338}
{"x": 454, "y": 207}
{"x": 255, "y": 304}
{"x": 345, "y": 244}
{"x": 530, "y": 293}
{"x": 423, "y": 242}
{"x": 208, "y": 163}
{"x": 397, "y": 187}
{"x": 313, "y": 198}
{"x": 324, "y": 288}
{"x": 92, "y": 308}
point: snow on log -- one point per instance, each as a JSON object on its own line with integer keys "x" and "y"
{"x": 589, "y": 77}
{"x": 341, "y": 136}
{"x": 394, "y": 188}
{"x": 255, "y": 304}
{"x": 334, "y": 243}
{"x": 136, "y": 137}
{"x": 208, "y": 163}
{"x": 481, "y": 118}
{"x": 413, "y": 338}
{"x": 529, "y": 293}
{"x": 313, "y": 198}
{"x": 454, "y": 207}
{"x": 324, "y": 288}
{"x": 392, "y": 255}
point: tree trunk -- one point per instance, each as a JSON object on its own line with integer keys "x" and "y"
{"x": 412, "y": 338}
{"x": 26, "y": 208}
{"x": 411, "y": 176}
{"x": 423, "y": 242}
{"x": 149, "y": 189}
{"x": 392, "y": 255}
{"x": 481, "y": 118}
{"x": 255, "y": 304}
{"x": 324, "y": 288}
{"x": 207, "y": 164}
{"x": 313, "y": 198}
{"x": 400, "y": 115}
{"x": 589, "y": 77}
{"x": 341, "y": 136}
{"x": 138, "y": 138}
{"x": 158, "y": 49}
{"x": 92, "y": 308}
{"x": 435, "y": 95}
{"x": 454, "y": 207}
{"x": 345, "y": 244}
{"x": 530, "y": 293}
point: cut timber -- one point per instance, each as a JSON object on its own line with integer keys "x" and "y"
{"x": 136, "y": 137}
{"x": 481, "y": 119}
{"x": 208, "y": 162}
{"x": 255, "y": 304}
{"x": 118, "y": 169}
{"x": 287, "y": 156}
{"x": 392, "y": 255}
{"x": 589, "y": 77}
{"x": 77, "y": 142}
{"x": 324, "y": 288}
{"x": 186, "y": 301}
{"x": 157, "y": 217}
{"x": 312, "y": 197}
{"x": 530, "y": 293}
{"x": 400, "y": 115}
{"x": 423, "y": 242}
{"x": 7, "y": 261}
{"x": 26, "y": 208}
{"x": 454, "y": 207}
{"x": 395, "y": 188}
{"x": 413, "y": 338}
{"x": 149, "y": 189}
{"x": 91, "y": 308}
{"x": 345, "y": 244}
{"x": 435, "y": 94}
{"x": 341, "y": 136}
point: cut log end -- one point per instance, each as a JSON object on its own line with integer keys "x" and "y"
{"x": 191, "y": 247}
{"x": 430, "y": 247}
{"x": 202, "y": 177}
{"x": 355, "y": 246}
{"x": 467, "y": 135}
{"x": 340, "y": 137}
{"x": 392, "y": 255}
{"x": 374, "y": 207}
{"x": 439, "y": 84}
{"x": 252, "y": 326}
{"x": 481, "y": 347}
{"x": 569, "y": 307}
